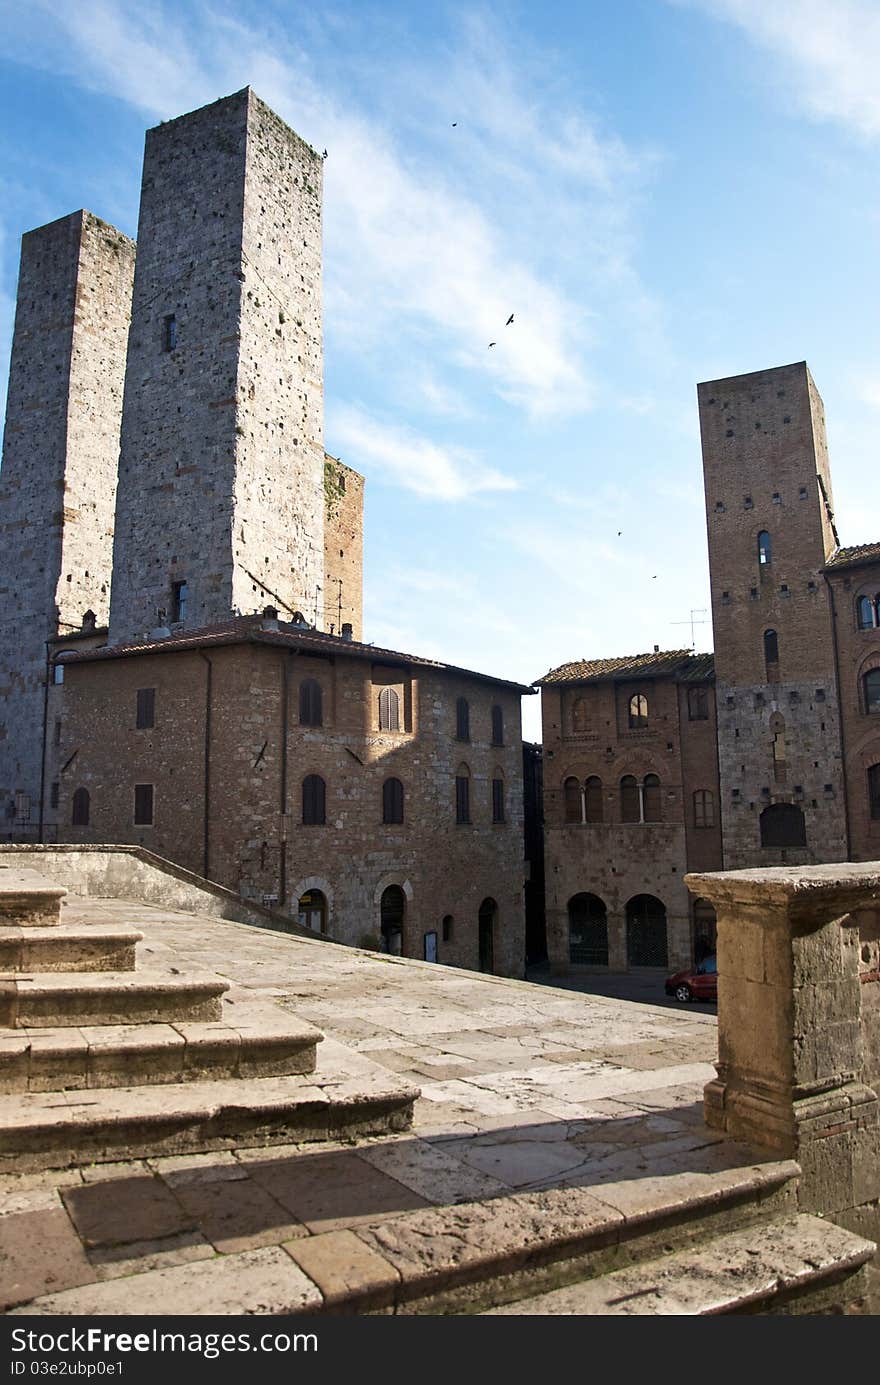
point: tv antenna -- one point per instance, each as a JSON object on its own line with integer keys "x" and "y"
{"x": 697, "y": 611}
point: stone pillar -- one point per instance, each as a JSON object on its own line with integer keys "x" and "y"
{"x": 790, "y": 1060}
{"x": 557, "y": 941}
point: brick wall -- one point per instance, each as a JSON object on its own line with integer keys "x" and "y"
{"x": 858, "y": 652}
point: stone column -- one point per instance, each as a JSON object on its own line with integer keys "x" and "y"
{"x": 557, "y": 941}
{"x": 790, "y": 1062}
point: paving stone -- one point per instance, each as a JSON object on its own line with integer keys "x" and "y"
{"x": 237, "y": 1214}
{"x": 344, "y": 1267}
{"x": 125, "y": 1210}
{"x": 330, "y": 1191}
{"x": 437, "y": 1175}
{"x": 257, "y": 1282}
{"x": 121, "y": 1262}
{"x": 198, "y": 1168}
{"x": 39, "y": 1253}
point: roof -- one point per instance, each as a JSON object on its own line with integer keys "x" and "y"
{"x": 680, "y": 664}
{"x": 859, "y": 553}
{"x": 257, "y": 630}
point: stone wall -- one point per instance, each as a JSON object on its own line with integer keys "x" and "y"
{"x": 58, "y": 480}
{"x": 343, "y": 548}
{"x": 858, "y": 652}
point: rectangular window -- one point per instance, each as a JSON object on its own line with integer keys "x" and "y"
{"x": 698, "y": 704}
{"x": 179, "y": 599}
{"x": 497, "y": 800}
{"x": 23, "y": 807}
{"x": 143, "y": 805}
{"x": 58, "y": 733}
{"x": 462, "y": 799}
{"x": 170, "y": 335}
{"x": 146, "y": 708}
{"x": 54, "y": 794}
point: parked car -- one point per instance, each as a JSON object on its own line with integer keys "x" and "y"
{"x": 699, "y": 984}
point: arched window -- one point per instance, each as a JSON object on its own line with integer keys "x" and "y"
{"x": 587, "y": 931}
{"x": 486, "y": 920}
{"x": 498, "y": 796}
{"x": 310, "y": 703}
{"x": 871, "y": 684}
{"x": 704, "y": 808}
{"x": 867, "y": 610}
{"x": 764, "y": 550}
{"x": 783, "y": 824}
{"x": 58, "y": 669}
{"x": 571, "y": 791}
{"x": 389, "y": 710}
{"x": 874, "y": 790}
{"x": 579, "y": 715}
{"x": 313, "y": 800}
{"x": 698, "y": 704}
{"x": 593, "y": 803}
{"x": 81, "y": 807}
{"x": 630, "y": 799}
{"x": 497, "y": 725}
{"x": 392, "y": 911}
{"x": 312, "y": 911}
{"x": 392, "y": 801}
{"x": 646, "y": 932}
{"x": 771, "y": 655}
{"x": 652, "y": 807}
{"x": 462, "y": 720}
{"x": 462, "y": 794}
{"x": 638, "y": 712}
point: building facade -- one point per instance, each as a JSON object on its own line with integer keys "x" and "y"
{"x": 630, "y": 806}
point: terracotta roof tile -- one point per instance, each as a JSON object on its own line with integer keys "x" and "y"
{"x": 859, "y": 553}
{"x": 680, "y": 664}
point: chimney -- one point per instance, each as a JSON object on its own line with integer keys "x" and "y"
{"x": 270, "y": 618}
{"x": 347, "y": 633}
{"x": 656, "y": 649}
{"x": 89, "y": 621}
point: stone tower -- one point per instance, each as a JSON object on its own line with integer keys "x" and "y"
{"x": 220, "y": 504}
{"x": 771, "y": 529}
{"x": 58, "y": 479}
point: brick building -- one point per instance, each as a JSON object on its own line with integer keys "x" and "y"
{"x": 161, "y": 508}
{"x": 630, "y": 805}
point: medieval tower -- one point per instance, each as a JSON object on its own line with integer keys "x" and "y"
{"x": 58, "y": 479}
{"x": 771, "y": 531}
{"x": 220, "y": 503}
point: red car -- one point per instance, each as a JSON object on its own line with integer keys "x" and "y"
{"x": 699, "y": 984}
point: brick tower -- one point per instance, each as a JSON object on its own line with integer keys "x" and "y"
{"x": 771, "y": 529}
{"x": 220, "y": 504}
{"x": 58, "y": 480}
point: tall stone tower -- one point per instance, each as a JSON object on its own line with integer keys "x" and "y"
{"x": 58, "y": 479}
{"x": 220, "y": 504}
{"x": 771, "y": 529}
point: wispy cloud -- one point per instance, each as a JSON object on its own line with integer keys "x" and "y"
{"x": 413, "y": 462}
{"x": 830, "y": 53}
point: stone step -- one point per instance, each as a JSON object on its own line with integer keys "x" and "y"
{"x": 70, "y": 999}
{"x": 96, "y": 947}
{"x": 792, "y": 1265}
{"x": 250, "y": 1042}
{"x": 63, "y": 1129}
{"x": 28, "y": 898}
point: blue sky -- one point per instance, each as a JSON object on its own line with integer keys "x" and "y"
{"x": 661, "y": 191}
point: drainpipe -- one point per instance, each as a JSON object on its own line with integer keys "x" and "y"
{"x": 43, "y": 753}
{"x": 843, "y": 774}
{"x": 206, "y": 847}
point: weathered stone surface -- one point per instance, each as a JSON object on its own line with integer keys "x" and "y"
{"x": 345, "y": 1269}
{"x": 39, "y": 1253}
{"x": 330, "y": 1191}
{"x": 124, "y": 1210}
{"x": 237, "y": 1214}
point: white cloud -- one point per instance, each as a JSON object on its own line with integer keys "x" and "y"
{"x": 416, "y": 463}
{"x": 830, "y": 52}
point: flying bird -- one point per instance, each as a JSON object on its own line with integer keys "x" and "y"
{"x": 492, "y": 343}
{"x": 619, "y": 532}
{"x": 509, "y": 320}
{"x": 454, "y": 123}
{"x": 324, "y": 155}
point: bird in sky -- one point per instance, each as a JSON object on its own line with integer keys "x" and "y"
{"x": 654, "y": 578}
{"x": 454, "y": 123}
{"x": 619, "y": 532}
{"x": 324, "y": 155}
{"x": 509, "y": 320}
{"x": 492, "y": 343}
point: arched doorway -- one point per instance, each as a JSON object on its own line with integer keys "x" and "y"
{"x": 392, "y": 910}
{"x": 705, "y": 930}
{"x": 587, "y": 931}
{"x": 646, "y": 932}
{"x": 312, "y": 911}
{"x": 486, "y": 934}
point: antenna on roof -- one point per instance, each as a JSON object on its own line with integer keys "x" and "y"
{"x": 698, "y": 611}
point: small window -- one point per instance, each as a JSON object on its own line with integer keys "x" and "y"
{"x": 54, "y": 794}
{"x": 765, "y": 551}
{"x": 630, "y": 799}
{"x": 146, "y": 708}
{"x": 313, "y": 801}
{"x": 58, "y": 733}
{"x": 704, "y": 808}
{"x": 58, "y": 668}
{"x": 638, "y": 712}
{"x": 389, "y": 710}
{"x": 81, "y": 806}
{"x": 497, "y": 800}
{"x": 179, "y": 602}
{"x": 462, "y": 720}
{"x": 866, "y": 611}
{"x": 874, "y": 791}
{"x": 652, "y": 804}
{"x": 170, "y": 332}
{"x": 871, "y": 684}
{"x": 143, "y": 805}
{"x": 448, "y": 928}
{"x": 571, "y": 792}
{"x": 698, "y": 704}
{"x": 310, "y": 704}
{"x": 392, "y": 801}
{"x": 22, "y": 807}
{"x": 771, "y": 655}
{"x": 593, "y": 801}
{"x": 579, "y": 715}
{"x": 497, "y": 725}
{"x": 462, "y": 795}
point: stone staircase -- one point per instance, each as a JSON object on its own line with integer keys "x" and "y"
{"x": 101, "y": 1060}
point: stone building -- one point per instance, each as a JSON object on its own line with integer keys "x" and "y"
{"x": 376, "y": 795}
{"x": 630, "y": 805}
